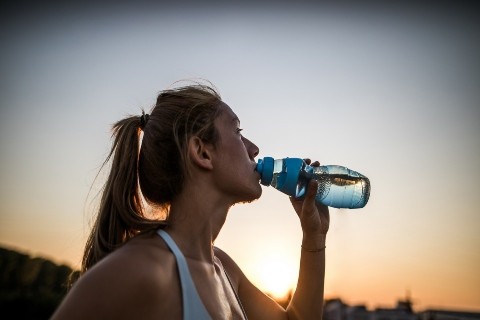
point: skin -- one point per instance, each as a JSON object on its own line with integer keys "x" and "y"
{"x": 140, "y": 279}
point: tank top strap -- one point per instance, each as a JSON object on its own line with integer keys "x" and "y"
{"x": 193, "y": 307}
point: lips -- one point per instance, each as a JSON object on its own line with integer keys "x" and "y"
{"x": 259, "y": 176}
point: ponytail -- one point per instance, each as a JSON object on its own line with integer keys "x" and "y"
{"x": 158, "y": 169}
{"x": 121, "y": 214}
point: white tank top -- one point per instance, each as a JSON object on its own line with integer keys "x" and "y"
{"x": 193, "y": 308}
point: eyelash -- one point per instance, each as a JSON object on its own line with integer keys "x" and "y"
{"x": 239, "y": 130}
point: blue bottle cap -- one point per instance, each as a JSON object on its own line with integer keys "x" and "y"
{"x": 265, "y": 168}
{"x": 292, "y": 168}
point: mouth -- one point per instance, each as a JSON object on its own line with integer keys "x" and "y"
{"x": 259, "y": 176}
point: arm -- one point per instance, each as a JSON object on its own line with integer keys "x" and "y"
{"x": 307, "y": 302}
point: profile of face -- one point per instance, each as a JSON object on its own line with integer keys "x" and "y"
{"x": 234, "y": 159}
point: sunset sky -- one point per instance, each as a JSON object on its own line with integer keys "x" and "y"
{"x": 392, "y": 92}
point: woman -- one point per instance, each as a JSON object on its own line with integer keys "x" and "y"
{"x": 193, "y": 164}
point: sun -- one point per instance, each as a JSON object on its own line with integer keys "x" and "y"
{"x": 276, "y": 274}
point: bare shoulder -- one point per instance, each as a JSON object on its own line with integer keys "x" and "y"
{"x": 256, "y": 303}
{"x": 226, "y": 260}
{"x": 138, "y": 280}
{"x": 234, "y": 271}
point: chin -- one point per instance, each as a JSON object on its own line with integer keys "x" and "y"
{"x": 252, "y": 196}
{"x": 255, "y": 195}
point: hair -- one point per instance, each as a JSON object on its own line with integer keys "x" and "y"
{"x": 156, "y": 170}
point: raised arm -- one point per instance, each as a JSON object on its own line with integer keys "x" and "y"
{"x": 307, "y": 301}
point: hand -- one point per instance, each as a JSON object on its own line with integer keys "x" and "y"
{"x": 314, "y": 216}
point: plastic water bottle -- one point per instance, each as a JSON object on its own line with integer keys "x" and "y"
{"x": 338, "y": 187}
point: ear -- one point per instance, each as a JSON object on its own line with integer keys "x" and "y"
{"x": 199, "y": 153}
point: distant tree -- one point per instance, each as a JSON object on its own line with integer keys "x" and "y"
{"x": 30, "y": 288}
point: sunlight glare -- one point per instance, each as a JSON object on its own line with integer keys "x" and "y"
{"x": 276, "y": 274}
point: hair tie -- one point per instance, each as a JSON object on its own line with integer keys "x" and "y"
{"x": 144, "y": 119}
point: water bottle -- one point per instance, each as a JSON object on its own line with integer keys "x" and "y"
{"x": 338, "y": 187}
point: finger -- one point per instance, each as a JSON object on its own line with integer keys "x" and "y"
{"x": 315, "y": 164}
{"x": 311, "y": 190}
{"x": 309, "y": 210}
{"x": 307, "y": 160}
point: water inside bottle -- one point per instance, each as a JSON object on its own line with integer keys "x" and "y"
{"x": 343, "y": 190}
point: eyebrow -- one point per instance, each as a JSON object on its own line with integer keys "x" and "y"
{"x": 235, "y": 119}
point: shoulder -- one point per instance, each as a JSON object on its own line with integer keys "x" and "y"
{"x": 222, "y": 255}
{"x": 233, "y": 270}
{"x": 256, "y": 303}
{"x": 139, "y": 277}
{"x": 145, "y": 260}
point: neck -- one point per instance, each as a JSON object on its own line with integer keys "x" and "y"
{"x": 197, "y": 217}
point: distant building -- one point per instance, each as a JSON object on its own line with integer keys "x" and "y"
{"x": 432, "y": 314}
{"x": 335, "y": 309}
{"x": 403, "y": 311}
{"x": 359, "y": 312}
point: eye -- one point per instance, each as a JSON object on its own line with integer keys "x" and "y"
{"x": 239, "y": 130}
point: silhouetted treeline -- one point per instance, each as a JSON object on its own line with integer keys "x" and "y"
{"x": 30, "y": 288}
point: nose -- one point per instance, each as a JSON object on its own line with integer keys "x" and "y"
{"x": 252, "y": 149}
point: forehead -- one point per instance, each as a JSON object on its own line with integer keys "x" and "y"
{"x": 227, "y": 114}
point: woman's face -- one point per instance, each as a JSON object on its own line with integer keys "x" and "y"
{"x": 234, "y": 159}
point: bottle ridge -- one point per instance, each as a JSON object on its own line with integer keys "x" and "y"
{"x": 338, "y": 186}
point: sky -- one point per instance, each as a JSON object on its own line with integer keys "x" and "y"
{"x": 391, "y": 92}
